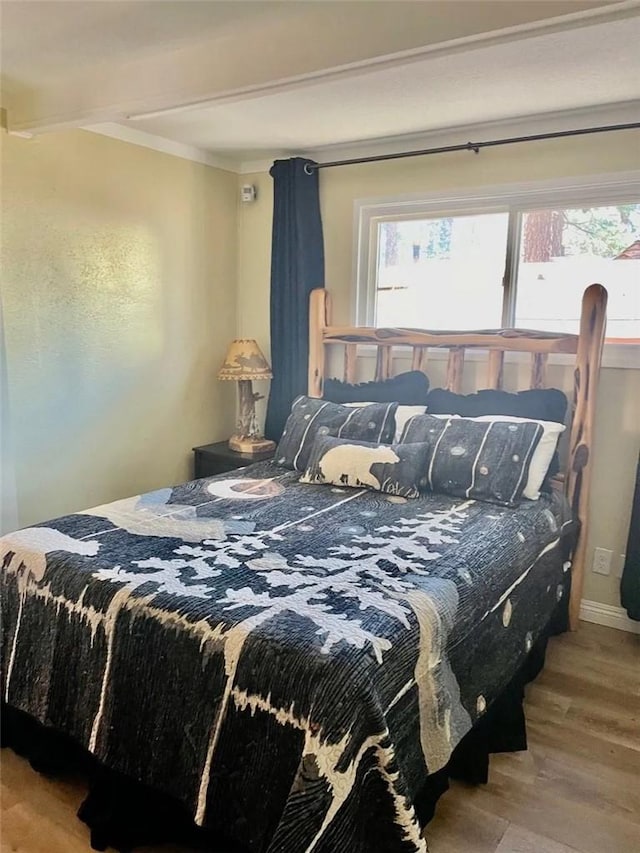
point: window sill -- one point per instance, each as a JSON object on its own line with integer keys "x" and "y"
{"x": 621, "y": 355}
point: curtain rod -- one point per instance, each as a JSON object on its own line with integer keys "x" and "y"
{"x": 472, "y": 146}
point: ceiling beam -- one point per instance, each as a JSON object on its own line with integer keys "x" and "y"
{"x": 275, "y": 54}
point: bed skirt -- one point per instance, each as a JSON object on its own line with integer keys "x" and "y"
{"x": 124, "y": 814}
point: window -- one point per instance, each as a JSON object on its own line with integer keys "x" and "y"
{"x": 563, "y": 249}
{"x": 425, "y": 267}
{"x": 508, "y": 259}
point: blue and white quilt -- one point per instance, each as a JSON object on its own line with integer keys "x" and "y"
{"x": 290, "y": 661}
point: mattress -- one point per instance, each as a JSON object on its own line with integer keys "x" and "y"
{"x": 289, "y": 661}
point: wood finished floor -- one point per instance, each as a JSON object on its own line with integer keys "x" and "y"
{"x": 577, "y": 788}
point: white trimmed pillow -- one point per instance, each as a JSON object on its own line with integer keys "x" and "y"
{"x": 310, "y": 416}
{"x": 483, "y": 461}
{"x": 542, "y": 455}
{"x": 403, "y": 413}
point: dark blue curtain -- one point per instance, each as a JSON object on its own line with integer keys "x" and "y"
{"x": 297, "y": 267}
{"x": 630, "y": 584}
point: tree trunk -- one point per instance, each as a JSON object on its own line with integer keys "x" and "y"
{"x": 542, "y": 236}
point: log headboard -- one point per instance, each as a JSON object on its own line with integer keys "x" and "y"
{"x": 586, "y": 347}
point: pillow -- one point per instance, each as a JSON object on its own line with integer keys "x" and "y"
{"x": 396, "y": 469}
{"x": 483, "y": 460}
{"x": 310, "y": 416}
{"x": 542, "y": 455}
{"x": 408, "y": 388}
{"x": 403, "y": 413}
{"x": 540, "y": 404}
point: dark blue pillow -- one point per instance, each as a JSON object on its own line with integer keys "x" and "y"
{"x": 310, "y": 417}
{"x": 407, "y": 389}
{"x": 480, "y": 460}
{"x": 539, "y": 404}
{"x": 397, "y": 469}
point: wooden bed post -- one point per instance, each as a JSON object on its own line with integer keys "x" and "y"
{"x": 580, "y": 468}
{"x": 319, "y": 317}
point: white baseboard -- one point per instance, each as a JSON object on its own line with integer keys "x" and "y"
{"x": 606, "y": 614}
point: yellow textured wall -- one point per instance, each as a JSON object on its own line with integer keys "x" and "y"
{"x": 618, "y": 421}
{"x": 119, "y": 298}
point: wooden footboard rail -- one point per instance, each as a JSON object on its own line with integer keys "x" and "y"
{"x": 586, "y": 347}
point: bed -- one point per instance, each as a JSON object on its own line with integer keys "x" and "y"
{"x": 294, "y": 667}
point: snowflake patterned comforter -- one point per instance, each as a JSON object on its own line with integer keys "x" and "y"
{"x": 290, "y": 661}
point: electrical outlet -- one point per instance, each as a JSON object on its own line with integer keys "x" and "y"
{"x": 602, "y": 561}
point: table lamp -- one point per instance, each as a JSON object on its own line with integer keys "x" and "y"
{"x": 243, "y": 363}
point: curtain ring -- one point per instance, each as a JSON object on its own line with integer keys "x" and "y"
{"x": 308, "y": 169}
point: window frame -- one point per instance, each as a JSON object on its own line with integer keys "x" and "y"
{"x": 516, "y": 198}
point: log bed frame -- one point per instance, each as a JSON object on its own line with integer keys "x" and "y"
{"x": 587, "y": 346}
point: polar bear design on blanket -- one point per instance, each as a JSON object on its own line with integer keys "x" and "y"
{"x": 26, "y": 550}
{"x": 350, "y": 464}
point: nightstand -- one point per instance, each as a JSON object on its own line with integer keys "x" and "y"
{"x": 212, "y": 459}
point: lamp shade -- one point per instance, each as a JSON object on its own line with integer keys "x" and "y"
{"x": 244, "y": 360}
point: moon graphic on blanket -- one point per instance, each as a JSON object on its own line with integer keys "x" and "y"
{"x": 244, "y": 489}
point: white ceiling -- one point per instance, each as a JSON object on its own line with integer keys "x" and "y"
{"x": 243, "y": 80}
{"x": 548, "y": 73}
{"x": 56, "y": 37}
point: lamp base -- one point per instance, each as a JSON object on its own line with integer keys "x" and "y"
{"x": 251, "y": 444}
